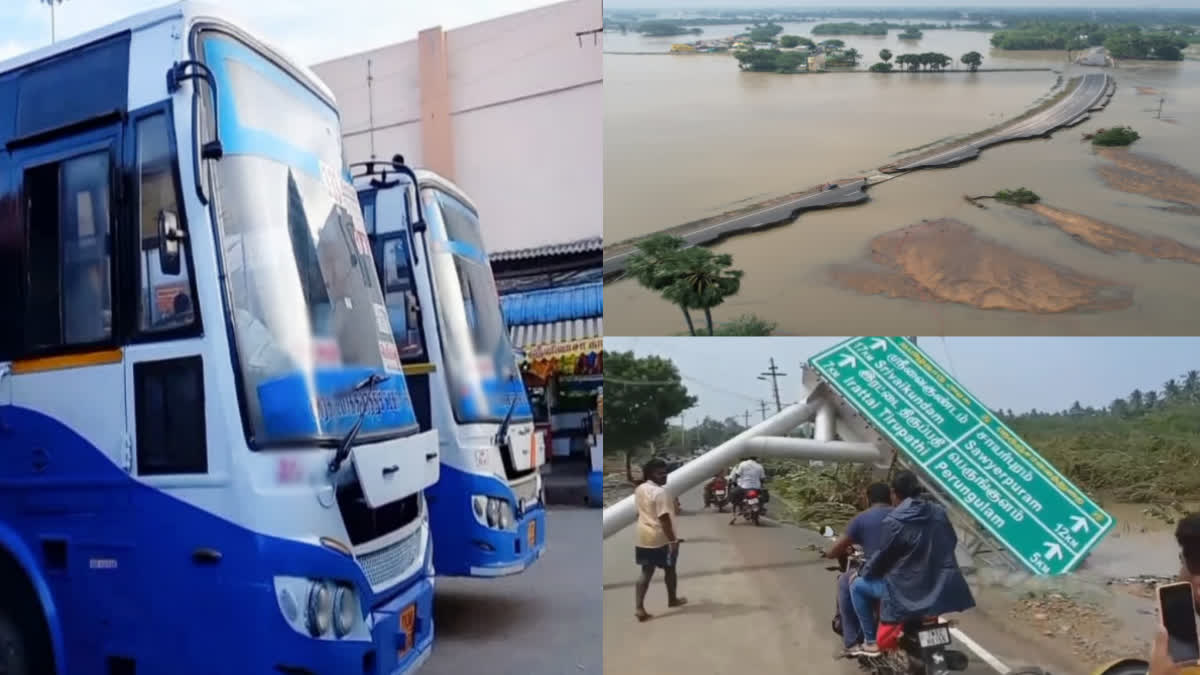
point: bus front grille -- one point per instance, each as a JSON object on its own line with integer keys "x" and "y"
{"x": 392, "y": 560}
{"x": 364, "y": 524}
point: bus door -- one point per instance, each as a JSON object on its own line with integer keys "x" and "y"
{"x": 69, "y": 368}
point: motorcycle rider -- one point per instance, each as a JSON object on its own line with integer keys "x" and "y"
{"x": 914, "y": 573}
{"x": 865, "y": 530}
{"x": 1187, "y": 535}
{"x": 716, "y": 481}
{"x": 748, "y": 475}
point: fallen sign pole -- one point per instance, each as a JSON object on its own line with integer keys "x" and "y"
{"x": 761, "y": 439}
{"x": 1003, "y": 483}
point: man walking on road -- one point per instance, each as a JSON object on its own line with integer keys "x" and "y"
{"x": 657, "y": 543}
{"x": 914, "y": 573}
{"x": 865, "y": 530}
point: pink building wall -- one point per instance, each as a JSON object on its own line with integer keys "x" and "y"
{"x": 509, "y": 109}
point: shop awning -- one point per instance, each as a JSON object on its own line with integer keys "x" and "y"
{"x": 559, "y": 339}
{"x": 559, "y": 330}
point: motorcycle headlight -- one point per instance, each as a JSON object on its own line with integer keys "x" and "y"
{"x": 345, "y": 610}
{"x": 319, "y": 614}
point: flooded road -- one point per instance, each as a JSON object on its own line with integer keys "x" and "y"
{"x": 689, "y": 137}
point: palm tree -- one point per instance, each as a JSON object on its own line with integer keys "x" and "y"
{"x": 1135, "y": 400}
{"x": 1172, "y": 391}
{"x": 853, "y": 55}
{"x": 653, "y": 266}
{"x": 1191, "y": 384}
{"x": 885, "y": 54}
{"x": 703, "y": 279}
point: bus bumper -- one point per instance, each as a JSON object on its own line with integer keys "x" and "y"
{"x": 403, "y": 630}
{"x": 501, "y": 553}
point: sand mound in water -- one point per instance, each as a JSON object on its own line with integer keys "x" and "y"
{"x": 948, "y": 261}
{"x": 1142, "y": 175}
{"x": 1114, "y": 239}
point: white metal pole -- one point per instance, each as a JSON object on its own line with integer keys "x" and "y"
{"x": 807, "y": 448}
{"x": 623, "y": 513}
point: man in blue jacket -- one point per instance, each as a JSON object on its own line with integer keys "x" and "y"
{"x": 914, "y": 573}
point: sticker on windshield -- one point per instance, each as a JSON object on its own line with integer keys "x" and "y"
{"x": 382, "y": 321}
{"x": 391, "y": 357}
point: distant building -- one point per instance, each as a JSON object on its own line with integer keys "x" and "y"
{"x": 682, "y": 48}
{"x": 816, "y": 61}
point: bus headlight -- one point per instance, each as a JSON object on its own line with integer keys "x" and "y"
{"x": 345, "y": 610}
{"x": 493, "y": 512}
{"x": 319, "y": 614}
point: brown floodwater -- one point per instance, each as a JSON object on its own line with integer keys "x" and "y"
{"x": 690, "y": 136}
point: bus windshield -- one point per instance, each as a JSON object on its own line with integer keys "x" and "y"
{"x": 314, "y": 345}
{"x": 482, "y": 374}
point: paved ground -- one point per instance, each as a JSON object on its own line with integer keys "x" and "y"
{"x": 760, "y": 601}
{"x": 545, "y": 621}
{"x": 1074, "y": 108}
{"x": 847, "y": 192}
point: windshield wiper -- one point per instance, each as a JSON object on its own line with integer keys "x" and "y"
{"x": 501, "y": 438}
{"x": 347, "y": 441}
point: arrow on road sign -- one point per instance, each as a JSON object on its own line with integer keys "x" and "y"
{"x": 1081, "y": 523}
{"x": 848, "y": 360}
{"x": 1053, "y": 551}
{"x": 878, "y": 343}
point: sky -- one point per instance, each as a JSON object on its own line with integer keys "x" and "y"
{"x": 310, "y": 31}
{"x": 1021, "y": 373}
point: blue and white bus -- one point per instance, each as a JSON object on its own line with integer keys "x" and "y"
{"x": 209, "y": 458}
{"x": 487, "y": 509}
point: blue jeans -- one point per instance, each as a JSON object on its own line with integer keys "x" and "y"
{"x": 864, "y": 593}
{"x": 851, "y": 632}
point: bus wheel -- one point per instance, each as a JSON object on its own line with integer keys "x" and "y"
{"x": 25, "y": 647}
{"x": 13, "y": 659}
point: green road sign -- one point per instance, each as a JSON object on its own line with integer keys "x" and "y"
{"x": 1047, "y": 522}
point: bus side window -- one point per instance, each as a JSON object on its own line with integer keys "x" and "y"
{"x": 70, "y": 294}
{"x": 166, "y": 299}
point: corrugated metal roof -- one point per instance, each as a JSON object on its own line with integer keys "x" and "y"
{"x": 578, "y": 246}
{"x": 557, "y": 331}
{"x": 580, "y": 301}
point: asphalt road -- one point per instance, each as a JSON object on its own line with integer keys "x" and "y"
{"x": 544, "y": 621}
{"x": 1071, "y": 110}
{"x": 759, "y": 601}
{"x": 848, "y": 192}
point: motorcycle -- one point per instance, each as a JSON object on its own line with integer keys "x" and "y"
{"x": 749, "y": 507}
{"x": 919, "y": 646}
{"x": 716, "y": 495}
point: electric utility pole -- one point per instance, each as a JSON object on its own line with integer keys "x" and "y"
{"x": 763, "y": 406}
{"x": 774, "y": 374}
{"x": 52, "y": 3}
{"x": 747, "y": 416}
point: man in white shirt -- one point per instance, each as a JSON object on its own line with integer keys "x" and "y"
{"x": 748, "y": 475}
{"x": 657, "y": 544}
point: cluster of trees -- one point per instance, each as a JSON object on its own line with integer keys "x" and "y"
{"x": 641, "y": 395}
{"x": 793, "y": 41}
{"x": 1123, "y": 41}
{"x": 1019, "y": 196}
{"x": 769, "y": 60}
{"x": 1141, "y": 448}
{"x": 664, "y": 28}
{"x": 851, "y": 28}
{"x": 689, "y": 277}
{"x": 764, "y": 32}
{"x": 911, "y": 34}
{"x": 1181, "y": 392}
{"x": 1116, "y": 136}
{"x": 927, "y": 60}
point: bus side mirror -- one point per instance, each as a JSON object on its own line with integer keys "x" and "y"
{"x": 169, "y": 236}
